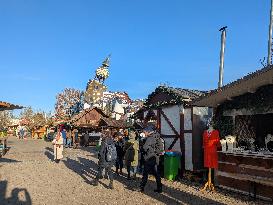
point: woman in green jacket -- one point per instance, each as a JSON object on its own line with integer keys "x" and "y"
{"x": 131, "y": 149}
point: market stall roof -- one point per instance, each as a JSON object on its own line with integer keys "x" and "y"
{"x": 248, "y": 84}
{"x": 109, "y": 122}
{"x": 85, "y": 112}
{"x": 9, "y": 106}
{"x": 166, "y": 95}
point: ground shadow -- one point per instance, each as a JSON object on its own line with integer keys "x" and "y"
{"x": 16, "y": 195}
{"x": 49, "y": 153}
{"x": 87, "y": 169}
{"x": 5, "y": 160}
{"x": 50, "y": 149}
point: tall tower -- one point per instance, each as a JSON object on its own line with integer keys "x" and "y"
{"x": 95, "y": 87}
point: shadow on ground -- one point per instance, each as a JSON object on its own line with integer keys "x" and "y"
{"x": 49, "y": 153}
{"x": 18, "y": 196}
{"x": 87, "y": 169}
{"x": 4, "y": 160}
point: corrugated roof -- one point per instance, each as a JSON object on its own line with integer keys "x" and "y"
{"x": 187, "y": 93}
{"x": 177, "y": 95}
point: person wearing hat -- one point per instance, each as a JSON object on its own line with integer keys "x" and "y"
{"x": 152, "y": 149}
{"x": 131, "y": 148}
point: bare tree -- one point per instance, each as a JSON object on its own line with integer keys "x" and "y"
{"x": 65, "y": 101}
{"x": 5, "y": 119}
{"x": 26, "y": 115}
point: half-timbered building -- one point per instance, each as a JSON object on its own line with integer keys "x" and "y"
{"x": 180, "y": 124}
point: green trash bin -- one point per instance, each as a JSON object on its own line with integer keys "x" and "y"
{"x": 171, "y": 165}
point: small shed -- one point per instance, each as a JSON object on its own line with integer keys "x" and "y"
{"x": 180, "y": 124}
{"x": 88, "y": 118}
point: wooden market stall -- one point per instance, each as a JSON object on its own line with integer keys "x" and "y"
{"x": 88, "y": 118}
{"x": 93, "y": 121}
{"x": 39, "y": 131}
{"x": 3, "y": 134}
{"x": 244, "y": 112}
{"x": 180, "y": 124}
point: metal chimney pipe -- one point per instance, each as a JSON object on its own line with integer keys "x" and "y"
{"x": 222, "y": 54}
{"x": 270, "y": 36}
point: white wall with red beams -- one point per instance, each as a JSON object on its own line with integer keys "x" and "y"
{"x": 175, "y": 122}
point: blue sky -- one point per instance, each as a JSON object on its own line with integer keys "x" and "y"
{"x": 47, "y": 45}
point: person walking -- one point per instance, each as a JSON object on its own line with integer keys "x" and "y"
{"x": 119, "y": 143}
{"x": 64, "y": 136}
{"x": 131, "y": 155}
{"x": 75, "y": 140}
{"x": 152, "y": 148}
{"x": 86, "y": 139}
{"x": 69, "y": 138}
{"x": 21, "y": 133}
{"x": 107, "y": 157}
{"x": 58, "y": 146}
{"x": 142, "y": 140}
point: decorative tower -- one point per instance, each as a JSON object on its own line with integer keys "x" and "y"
{"x": 95, "y": 88}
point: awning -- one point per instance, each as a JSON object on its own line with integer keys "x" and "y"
{"x": 9, "y": 106}
{"x": 247, "y": 84}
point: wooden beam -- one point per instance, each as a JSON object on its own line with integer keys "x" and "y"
{"x": 159, "y": 120}
{"x": 182, "y": 144}
{"x": 173, "y": 129}
{"x": 170, "y": 124}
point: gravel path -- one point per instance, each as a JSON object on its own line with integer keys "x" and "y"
{"x": 28, "y": 176}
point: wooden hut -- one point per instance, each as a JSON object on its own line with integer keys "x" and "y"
{"x": 88, "y": 118}
{"x": 39, "y": 131}
{"x": 3, "y": 134}
{"x": 244, "y": 109}
{"x": 179, "y": 123}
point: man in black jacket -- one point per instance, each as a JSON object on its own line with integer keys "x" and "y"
{"x": 104, "y": 163}
{"x": 152, "y": 148}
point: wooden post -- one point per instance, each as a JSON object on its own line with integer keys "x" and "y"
{"x": 159, "y": 120}
{"x": 209, "y": 185}
{"x": 182, "y": 144}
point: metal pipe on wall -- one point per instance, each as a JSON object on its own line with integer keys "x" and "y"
{"x": 269, "y": 61}
{"x": 222, "y": 55}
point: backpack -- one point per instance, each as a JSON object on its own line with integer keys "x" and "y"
{"x": 130, "y": 153}
{"x": 158, "y": 148}
{"x": 111, "y": 153}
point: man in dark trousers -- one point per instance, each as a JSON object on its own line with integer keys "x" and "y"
{"x": 107, "y": 157}
{"x": 119, "y": 142}
{"x": 152, "y": 148}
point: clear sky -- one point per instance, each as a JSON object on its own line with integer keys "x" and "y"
{"x": 47, "y": 45}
